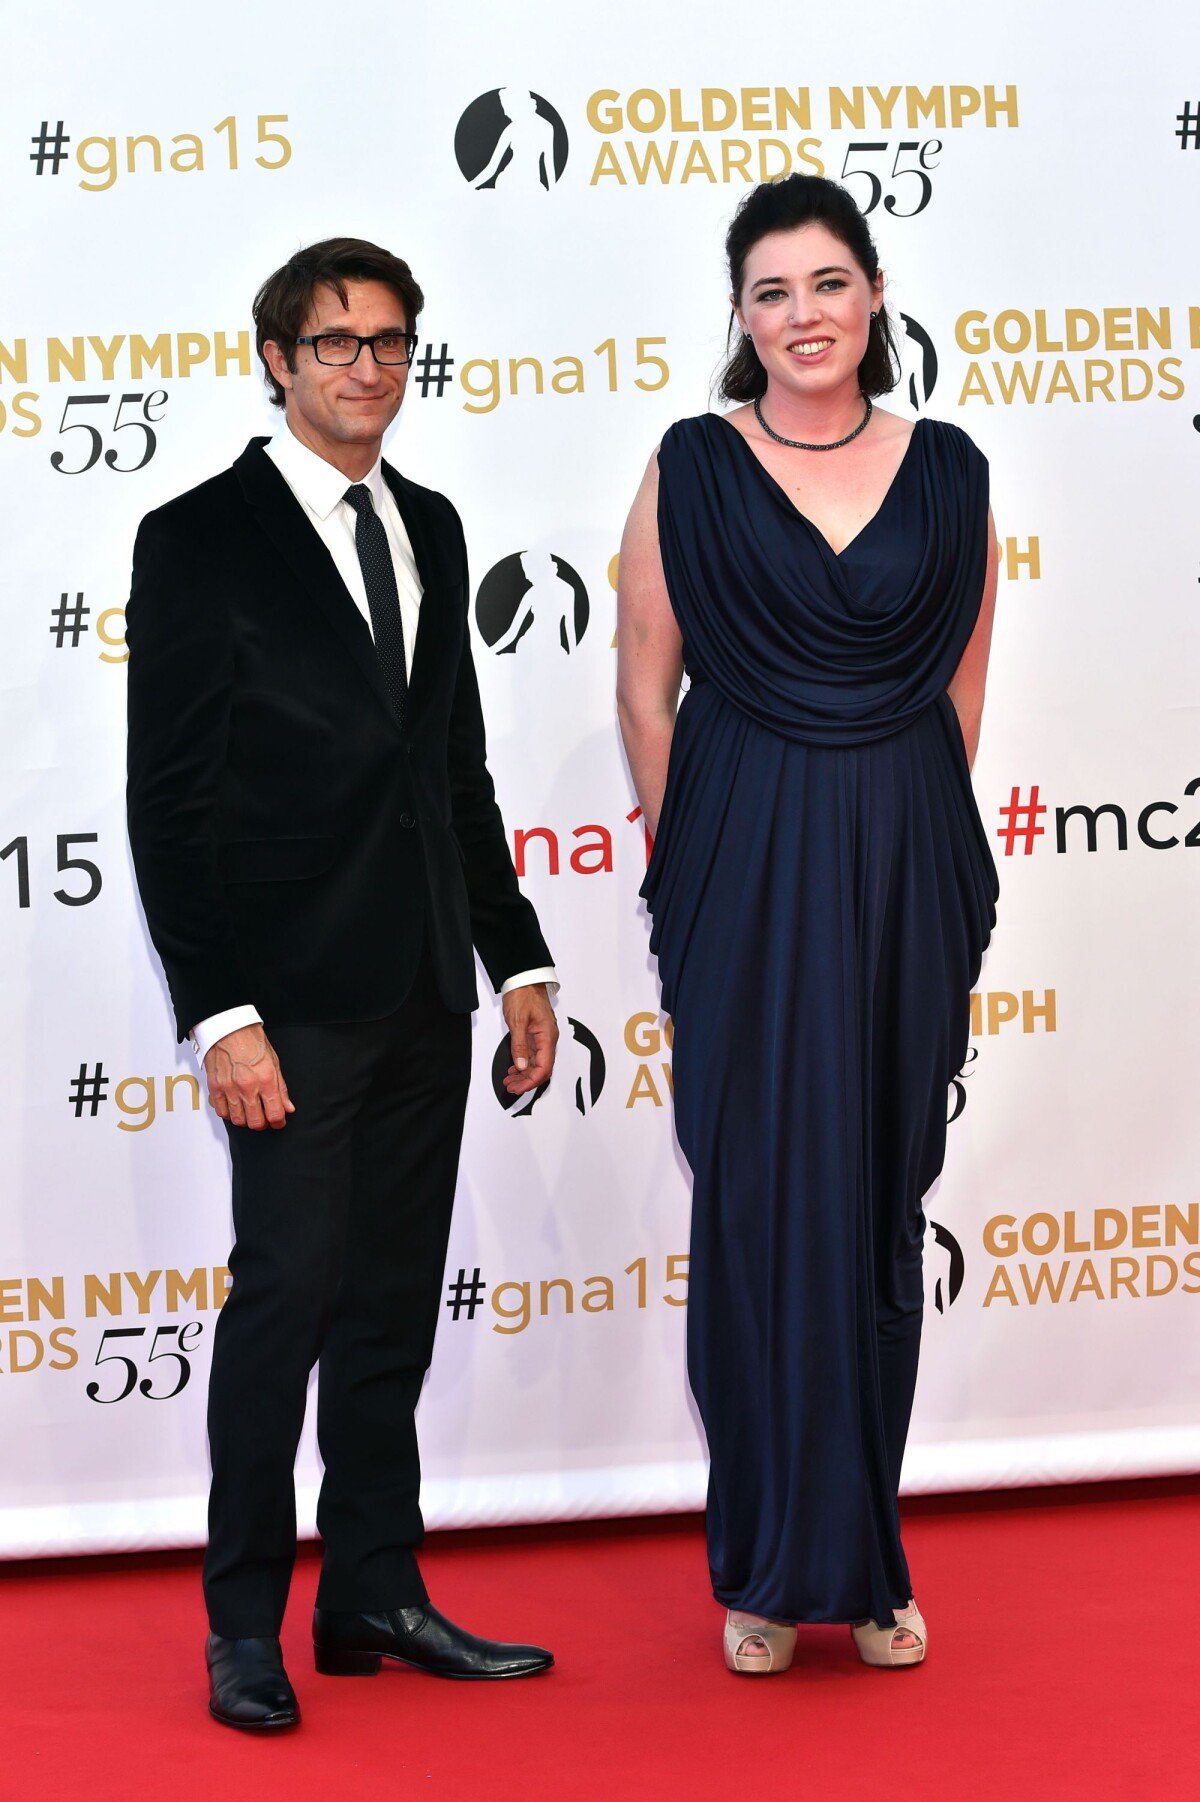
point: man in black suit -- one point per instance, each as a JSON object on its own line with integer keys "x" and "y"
{"x": 318, "y": 848}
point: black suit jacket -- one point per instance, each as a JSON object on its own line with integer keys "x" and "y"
{"x": 293, "y": 845}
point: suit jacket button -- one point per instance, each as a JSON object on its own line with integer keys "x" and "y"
{"x": 407, "y": 820}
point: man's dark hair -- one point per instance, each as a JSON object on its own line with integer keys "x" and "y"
{"x": 783, "y": 206}
{"x": 284, "y": 302}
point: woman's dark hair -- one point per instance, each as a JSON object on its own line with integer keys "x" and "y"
{"x": 284, "y": 301}
{"x": 776, "y": 206}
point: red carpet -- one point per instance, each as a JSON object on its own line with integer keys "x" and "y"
{"x": 1064, "y": 1662}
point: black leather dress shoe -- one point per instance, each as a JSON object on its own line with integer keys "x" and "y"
{"x": 355, "y": 1645}
{"x": 249, "y": 1686}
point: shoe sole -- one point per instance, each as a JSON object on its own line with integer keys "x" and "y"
{"x": 368, "y": 1664}
{"x": 227, "y": 1720}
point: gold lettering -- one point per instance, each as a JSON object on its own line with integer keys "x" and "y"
{"x": 14, "y": 361}
{"x": 975, "y": 386}
{"x": 97, "y": 1293}
{"x": 644, "y": 1088}
{"x": 678, "y": 122}
{"x": 238, "y": 353}
{"x": 926, "y": 106}
{"x": 1087, "y": 1282}
{"x": 963, "y": 102}
{"x": 547, "y": 1288}
{"x": 144, "y": 355}
{"x": 59, "y": 358}
{"x": 1015, "y": 558}
{"x": 604, "y": 110}
{"x": 696, "y": 163}
{"x": 1147, "y": 1229}
{"x": 792, "y": 108}
{"x": 1123, "y": 1274}
{"x": 847, "y": 109}
{"x": 1000, "y": 1236}
{"x": 1109, "y": 1228}
{"x": 1000, "y": 1009}
{"x": 735, "y": 158}
{"x": 1032, "y": 1012}
{"x": 520, "y": 1314}
{"x": 191, "y": 1087}
{"x": 190, "y": 1290}
{"x": 189, "y": 154}
{"x": 489, "y": 397}
{"x": 1153, "y": 1287}
{"x": 1044, "y": 1280}
{"x": 1168, "y": 371}
{"x": 192, "y": 348}
{"x": 599, "y": 1295}
{"x": 518, "y": 363}
{"x": 1034, "y": 1227}
{"x": 1183, "y": 1224}
{"x": 645, "y": 110}
{"x": 653, "y": 159}
{"x": 718, "y": 109}
{"x": 993, "y": 107}
{"x": 1060, "y": 382}
{"x": 568, "y": 375}
{"x": 606, "y": 164}
{"x": 131, "y": 149}
{"x": 1000, "y": 1287}
{"x": 885, "y": 104}
{"x": 143, "y": 1287}
{"x": 52, "y": 1300}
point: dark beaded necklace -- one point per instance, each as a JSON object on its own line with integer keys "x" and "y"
{"x": 796, "y": 444}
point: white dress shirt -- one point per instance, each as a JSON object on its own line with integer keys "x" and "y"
{"x": 320, "y": 490}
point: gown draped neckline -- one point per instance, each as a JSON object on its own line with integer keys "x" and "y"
{"x": 812, "y": 525}
{"x": 822, "y": 646}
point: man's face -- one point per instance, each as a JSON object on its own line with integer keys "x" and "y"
{"x": 332, "y": 409}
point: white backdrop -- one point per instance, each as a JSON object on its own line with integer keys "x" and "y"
{"x": 1035, "y": 198}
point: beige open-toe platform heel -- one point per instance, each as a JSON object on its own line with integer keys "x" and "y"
{"x": 780, "y": 1641}
{"x": 876, "y": 1645}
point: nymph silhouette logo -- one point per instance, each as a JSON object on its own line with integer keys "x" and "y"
{"x": 529, "y": 596}
{"x": 918, "y": 363}
{"x": 950, "y": 1267}
{"x": 512, "y": 139}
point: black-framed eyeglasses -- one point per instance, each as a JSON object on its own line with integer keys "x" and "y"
{"x": 340, "y": 349}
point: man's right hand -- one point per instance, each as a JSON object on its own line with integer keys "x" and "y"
{"x": 245, "y": 1083}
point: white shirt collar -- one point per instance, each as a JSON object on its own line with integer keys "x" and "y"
{"x": 314, "y": 481}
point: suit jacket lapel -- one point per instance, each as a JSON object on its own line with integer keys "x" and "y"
{"x": 284, "y": 521}
{"x": 429, "y": 561}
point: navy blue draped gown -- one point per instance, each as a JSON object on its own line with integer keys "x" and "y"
{"x": 822, "y": 892}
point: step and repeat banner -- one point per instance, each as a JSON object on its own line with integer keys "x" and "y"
{"x": 561, "y": 187}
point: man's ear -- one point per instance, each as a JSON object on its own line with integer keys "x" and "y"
{"x": 277, "y": 363}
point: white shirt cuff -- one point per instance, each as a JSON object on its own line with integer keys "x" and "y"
{"x": 524, "y": 977}
{"x": 205, "y": 1033}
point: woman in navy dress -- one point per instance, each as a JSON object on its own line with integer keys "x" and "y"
{"x": 822, "y": 893}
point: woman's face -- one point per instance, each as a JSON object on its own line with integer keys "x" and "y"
{"x": 807, "y": 306}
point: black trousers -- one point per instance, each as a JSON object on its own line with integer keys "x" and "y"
{"x": 341, "y": 1222}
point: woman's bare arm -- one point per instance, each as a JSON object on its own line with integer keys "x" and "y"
{"x": 649, "y": 651}
{"x": 969, "y": 679}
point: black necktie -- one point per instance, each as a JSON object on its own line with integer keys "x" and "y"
{"x": 375, "y": 561}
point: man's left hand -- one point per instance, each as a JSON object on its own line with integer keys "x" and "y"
{"x": 534, "y": 1033}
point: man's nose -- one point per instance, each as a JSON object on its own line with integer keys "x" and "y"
{"x": 365, "y": 368}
